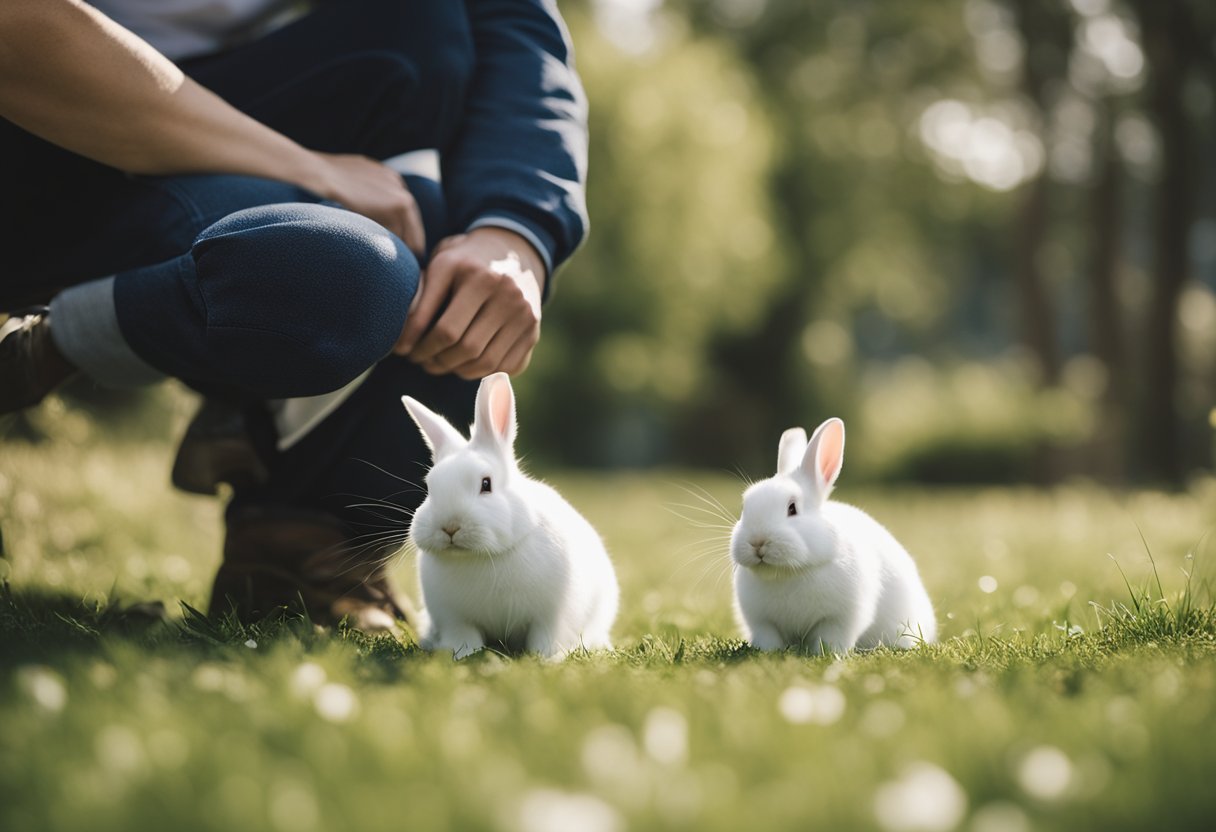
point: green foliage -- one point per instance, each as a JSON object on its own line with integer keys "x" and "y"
{"x": 787, "y": 197}
{"x": 970, "y": 422}
{"x": 766, "y": 223}
{"x": 681, "y": 248}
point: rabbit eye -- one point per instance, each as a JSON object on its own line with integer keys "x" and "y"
{"x": 485, "y": 485}
{"x": 792, "y": 510}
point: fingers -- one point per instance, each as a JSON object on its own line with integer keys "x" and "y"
{"x": 519, "y": 356}
{"x": 502, "y": 355}
{"x": 376, "y": 191}
{"x": 413, "y": 232}
{"x": 459, "y": 338}
{"x": 480, "y": 335}
{"x": 452, "y": 328}
{"x": 432, "y": 291}
{"x": 405, "y": 216}
{"x": 496, "y": 340}
{"x": 492, "y": 319}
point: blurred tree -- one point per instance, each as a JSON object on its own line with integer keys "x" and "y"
{"x": 796, "y": 203}
{"x": 681, "y": 245}
{"x": 1046, "y": 30}
{"x": 1175, "y": 34}
{"x": 859, "y": 210}
{"x": 1107, "y": 331}
{"x": 1049, "y": 31}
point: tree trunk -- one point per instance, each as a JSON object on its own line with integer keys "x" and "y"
{"x": 1106, "y": 332}
{"x": 1046, "y": 29}
{"x": 1167, "y": 40}
{"x": 1035, "y": 308}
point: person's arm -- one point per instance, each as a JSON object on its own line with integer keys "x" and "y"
{"x": 72, "y": 76}
{"x": 515, "y": 178}
{"x": 520, "y": 157}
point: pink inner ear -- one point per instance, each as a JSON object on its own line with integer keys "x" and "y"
{"x": 831, "y": 452}
{"x": 500, "y": 408}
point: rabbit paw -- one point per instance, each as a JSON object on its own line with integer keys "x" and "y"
{"x": 766, "y": 637}
{"x": 462, "y": 642}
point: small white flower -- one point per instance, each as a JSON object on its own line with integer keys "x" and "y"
{"x": 336, "y": 703}
{"x": 251, "y": 644}
{"x": 797, "y": 705}
{"x": 665, "y": 736}
{"x": 550, "y": 810}
{"x": 306, "y": 679}
{"x": 1045, "y": 773}
{"x": 209, "y": 677}
{"x": 822, "y": 705}
{"x": 609, "y": 752}
{"x": 44, "y": 686}
{"x": 925, "y": 798}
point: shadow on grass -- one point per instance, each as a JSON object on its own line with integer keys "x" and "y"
{"x": 48, "y": 627}
{"x": 36, "y": 625}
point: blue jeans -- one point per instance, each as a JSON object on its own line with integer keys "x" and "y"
{"x": 250, "y": 289}
{"x": 279, "y": 300}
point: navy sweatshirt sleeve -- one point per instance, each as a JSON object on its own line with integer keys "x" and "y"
{"x": 519, "y": 159}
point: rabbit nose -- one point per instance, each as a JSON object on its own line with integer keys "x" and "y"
{"x": 759, "y": 543}
{"x": 451, "y": 528}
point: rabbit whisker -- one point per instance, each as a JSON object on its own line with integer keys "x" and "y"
{"x": 715, "y": 505}
{"x": 354, "y": 555}
{"x": 700, "y": 492}
{"x": 714, "y": 569}
{"x": 383, "y": 505}
{"x": 383, "y": 471}
{"x": 701, "y": 510}
{"x": 700, "y": 524}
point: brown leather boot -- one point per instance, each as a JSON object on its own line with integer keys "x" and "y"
{"x": 304, "y": 560}
{"x": 217, "y": 448}
{"x": 30, "y": 364}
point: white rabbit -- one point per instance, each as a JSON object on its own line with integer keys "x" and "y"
{"x": 504, "y": 559}
{"x": 818, "y": 574}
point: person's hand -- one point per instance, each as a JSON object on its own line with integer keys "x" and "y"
{"x": 492, "y": 280}
{"x": 369, "y": 188}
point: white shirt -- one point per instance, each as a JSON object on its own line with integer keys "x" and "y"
{"x": 188, "y": 28}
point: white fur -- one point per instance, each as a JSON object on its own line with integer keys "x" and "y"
{"x": 830, "y": 578}
{"x": 524, "y": 568}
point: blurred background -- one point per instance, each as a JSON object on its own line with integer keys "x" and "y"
{"x": 982, "y": 231}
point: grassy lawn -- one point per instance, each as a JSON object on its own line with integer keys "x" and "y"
{"x": 1038, "y": 710}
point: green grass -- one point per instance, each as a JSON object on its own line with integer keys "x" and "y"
{"x": 1060, "y": 697}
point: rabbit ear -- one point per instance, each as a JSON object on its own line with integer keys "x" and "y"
{"x": 438, "y": 433}
{"x": 790, "y": 450}
{"x": 824, "y": 457}
{"x": 494, "y": 423}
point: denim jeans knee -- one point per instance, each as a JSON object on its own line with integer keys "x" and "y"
{"x": 301, "y": 297}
